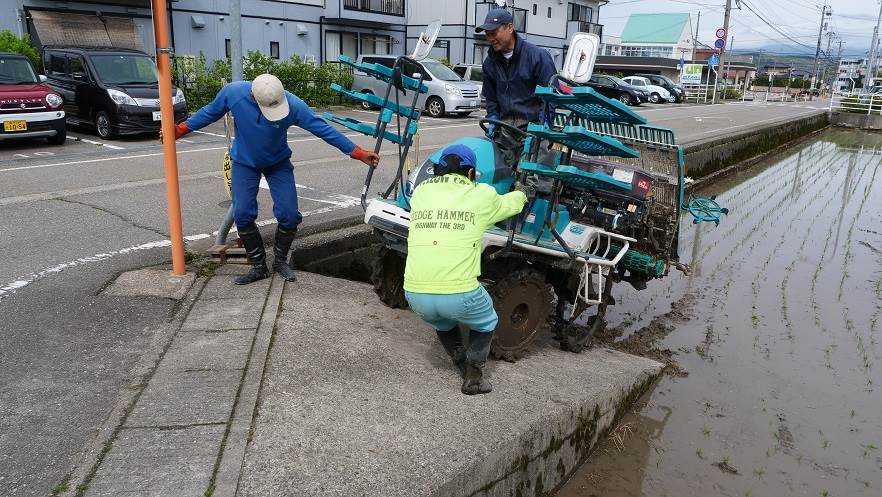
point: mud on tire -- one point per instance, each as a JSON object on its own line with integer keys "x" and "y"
{"x": 523, "y": 302}
{"x": 575, "y": 338}
{"x": 387, "y": 275}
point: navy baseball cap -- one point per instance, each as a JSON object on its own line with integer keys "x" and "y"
{"x": 465, "y": 154}
{"x": 494, "y": 19}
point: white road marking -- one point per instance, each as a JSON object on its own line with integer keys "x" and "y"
{"x": 93, "y": 142}
{"x": 194, "y": 150}
{"x": 22, "y": 282}
{"x": 209, "y": 133}
{"x": 34, "y": 197}
{"x": 185, "y": 140}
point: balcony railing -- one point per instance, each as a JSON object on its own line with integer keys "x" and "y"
{"x": 519, "y": 16}
{"x": 574, "y": 27}
{"x": 388, "y": 7}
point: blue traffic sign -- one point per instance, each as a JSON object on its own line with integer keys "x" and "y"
{"x": 719, "y": 43}
{"x": 714, "y": 60}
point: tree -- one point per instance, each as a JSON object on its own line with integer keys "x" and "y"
{"x": 20, "y": 45}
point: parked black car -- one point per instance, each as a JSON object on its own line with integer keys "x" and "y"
{"x": 613, "y": 87}
{"x": 114, "y": 90}
{"x": 676, "y": 90}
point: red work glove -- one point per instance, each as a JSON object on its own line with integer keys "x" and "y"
{"x": 181, "y": 129}
{"x": 369, "y": 158}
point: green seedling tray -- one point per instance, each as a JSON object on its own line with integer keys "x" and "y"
{"x": 584, "y": 141}
{"x": 371, "y": 129}
{"x": 590, "y": 105}
{"x": 573, "y": 176}
{"x": 384, "y": 73}
{"x": 376, "y": 101}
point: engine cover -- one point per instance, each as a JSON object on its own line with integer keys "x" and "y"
{"x": 611, "y": 209}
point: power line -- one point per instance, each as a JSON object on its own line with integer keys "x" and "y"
{"x": 769, "y": 24}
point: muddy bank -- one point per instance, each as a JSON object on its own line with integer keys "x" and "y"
{"x": 772, "y": 339}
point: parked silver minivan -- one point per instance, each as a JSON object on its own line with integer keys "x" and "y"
{"x": 448, "y": 93}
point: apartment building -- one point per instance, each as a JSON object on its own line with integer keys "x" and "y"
{"x": 851, "y": 74}
{"x": 319, "y": 30}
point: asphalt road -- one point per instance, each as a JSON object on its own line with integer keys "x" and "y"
{"x": 74, "y": 216}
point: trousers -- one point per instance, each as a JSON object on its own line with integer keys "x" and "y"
{"x": 283, "y": 190}
{"x": 473, "y": 309}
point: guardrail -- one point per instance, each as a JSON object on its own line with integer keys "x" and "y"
{"x": 774, "y": 96}
{"x": 856, "y": 103}
{"x": 698, "y": 93}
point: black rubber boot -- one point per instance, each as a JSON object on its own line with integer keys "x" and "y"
{"x": 476, "y": 355}
{"x": 452, "y": 342}
{"x": 284, "y": 238}
{"x": 250, "y": 237}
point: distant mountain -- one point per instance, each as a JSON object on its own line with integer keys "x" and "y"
{"x": 780, "y": 50}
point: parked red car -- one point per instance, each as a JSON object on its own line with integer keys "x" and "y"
{"x": 28, "y": 108}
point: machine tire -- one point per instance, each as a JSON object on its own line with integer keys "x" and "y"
{"x": 102, "y": 125}
{"x": 655, "y": 98}
{"x": 626, "y": 99}
{"x": 387, "y": 275}
{"x": 523, "y": 301}
{"x": 435, "y": 107}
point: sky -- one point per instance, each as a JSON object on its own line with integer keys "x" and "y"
{"x": 784, "y": 26}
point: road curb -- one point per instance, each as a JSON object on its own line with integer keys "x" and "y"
{"x": 95, "y": 450}
{"x": 229, "y": 468}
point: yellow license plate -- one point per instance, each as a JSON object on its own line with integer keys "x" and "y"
{"x": 15, "y": 125}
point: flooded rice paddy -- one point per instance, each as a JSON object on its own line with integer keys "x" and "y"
{"x": 777, "y": 383}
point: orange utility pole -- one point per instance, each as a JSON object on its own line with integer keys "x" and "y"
{"x": 170, "y": 156}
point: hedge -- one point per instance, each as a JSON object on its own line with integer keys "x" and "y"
{"x": 201, "y": 81}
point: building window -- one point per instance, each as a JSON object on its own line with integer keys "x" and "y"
{"x": 549, "y": 12}
{"x": 376, "y": 44}
{"x": 392, "y": 7}
{"x": 580, "y": 13}
{"x": 228, "y": 48}
{"x": 534, "y": 9}
{"x": 274, "y": 49}
{"x": 647, "y": 51}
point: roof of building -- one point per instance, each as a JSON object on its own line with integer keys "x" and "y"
{"x": 654, "y": 28}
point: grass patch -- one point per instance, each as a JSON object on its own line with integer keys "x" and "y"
{"x": 202, "y": 264}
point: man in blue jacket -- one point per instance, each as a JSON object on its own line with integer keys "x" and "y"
{"x": 262, "y": 113}
{"x": 512, "y": 70}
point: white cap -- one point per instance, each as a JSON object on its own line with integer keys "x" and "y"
{"x": 270, "y": 96}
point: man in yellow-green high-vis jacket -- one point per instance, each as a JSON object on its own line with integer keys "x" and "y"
{"x": 449, "y": 214}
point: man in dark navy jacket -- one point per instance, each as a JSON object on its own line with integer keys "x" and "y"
{"x": 512, "y": 70}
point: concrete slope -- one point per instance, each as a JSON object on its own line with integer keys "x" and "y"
{"x": 359, "y": 399}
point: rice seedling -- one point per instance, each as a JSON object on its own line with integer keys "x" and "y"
{"x": 759, "y": 473}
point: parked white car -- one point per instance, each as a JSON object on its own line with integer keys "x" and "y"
{"x": 657, "y": 94}
{"x": 473, "y": 73}
{"x": 448, "y": 93}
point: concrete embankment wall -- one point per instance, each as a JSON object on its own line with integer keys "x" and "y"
{"x": 855, "y": 120}
{"x": 715, "y": 154}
